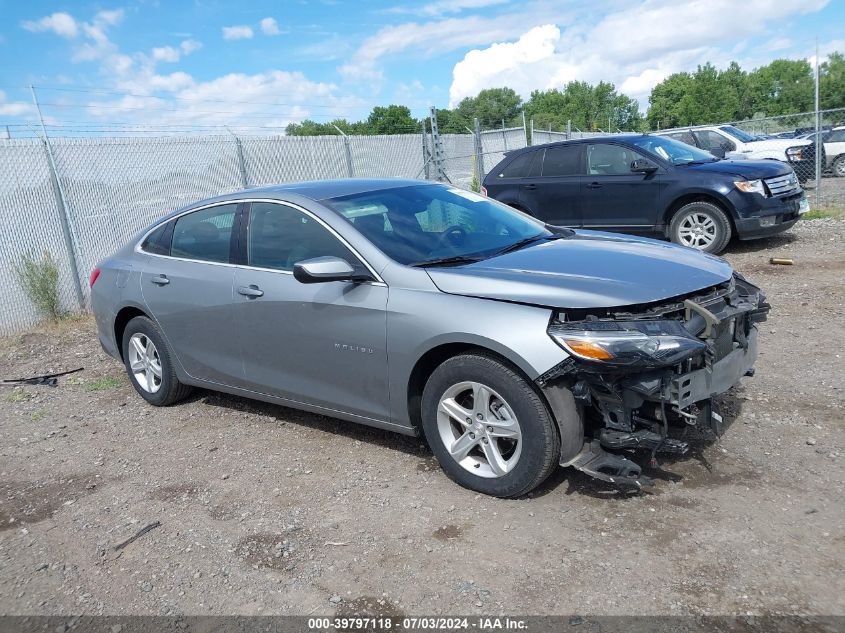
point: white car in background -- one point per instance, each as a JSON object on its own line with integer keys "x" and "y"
{"x": 725, "y": 139}
{"x": 834, "y": 149}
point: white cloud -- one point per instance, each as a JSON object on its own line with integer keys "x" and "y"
{"x": 633, "y": 47}
{"x": 13, "y": 108}
{"x": 59, "y": 23}
{"x": 269, "y": 26}
{"x": 237, "y": 32}
{"x": 190, "y": 46}
{"x": 110, "y": 18}
{"x": 166, "y": 54}
{"x": 442, "y": 7}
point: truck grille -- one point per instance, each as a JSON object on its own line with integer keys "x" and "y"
{"x": 783, "y": 185}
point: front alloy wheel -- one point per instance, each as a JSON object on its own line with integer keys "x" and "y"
{"x": 701, "y": 225}
{"x": 489, "y": 428}
{"x": 480, "y": 429}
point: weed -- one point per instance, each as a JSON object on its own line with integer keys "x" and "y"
{"x": 102, "y": 384}
{"x": 39, "y": 278}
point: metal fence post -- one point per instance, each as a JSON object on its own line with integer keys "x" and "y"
{"x": 819, "y": 145}
{"x": 241, "y": 162}
{"x": 525, "y": 130}
{"x": 67, "y": 228}
{"x": 532, "y": 131}
{"x": 426, "y": 153}
{"x": 504, "y": 136}
{"x": 437, "y": 144}
{"x": 568, "y": 129}
{"x": 479, "y": 150}
{"x": 349, "y": 171}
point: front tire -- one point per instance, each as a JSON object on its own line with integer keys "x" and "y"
{"x": 701, "y": 225}
{"x": 838, "y": 167}
{"x": 488, "y": 428}
{"x": 149, "y": 364}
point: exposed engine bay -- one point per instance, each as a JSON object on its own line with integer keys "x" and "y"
{"x": 636, "y": 372}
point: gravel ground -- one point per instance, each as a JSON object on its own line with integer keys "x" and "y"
{"x": 264, "y": 509}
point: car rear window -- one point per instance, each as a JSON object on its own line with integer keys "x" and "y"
{"x": 518, "y": 167}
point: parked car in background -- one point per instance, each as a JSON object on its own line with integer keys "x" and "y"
{"x": 834, "y": 148}
{"x": 512, "y": 346}
{"x": 652, "y": 185}
{"x": 727, "y": 141}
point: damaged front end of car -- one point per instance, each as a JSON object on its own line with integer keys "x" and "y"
{"x": 635, "y": 372}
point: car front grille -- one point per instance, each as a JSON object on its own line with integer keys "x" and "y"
{"x": 783, "y": 185}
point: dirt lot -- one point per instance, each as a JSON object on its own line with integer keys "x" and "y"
{"x": 268, "y": 510}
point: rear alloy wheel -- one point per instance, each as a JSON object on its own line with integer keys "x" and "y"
{"x": 149, "y": 365}
{"x": 488, "y": 428}
{"x": 839, "y": 167}
{"x": 701, "y": 225}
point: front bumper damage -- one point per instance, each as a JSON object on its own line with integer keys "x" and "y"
{"x": 627, "y": 409}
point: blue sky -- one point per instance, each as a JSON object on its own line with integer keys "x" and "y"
{"x": 254, "y": 64}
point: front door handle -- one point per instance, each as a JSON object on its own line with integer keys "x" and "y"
{"x": 252, "y": 291}
{"x": 594, "y": 185}
{"x": 160, "y": 280}
{"x": 530, "y": 187}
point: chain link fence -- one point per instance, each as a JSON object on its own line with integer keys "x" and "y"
{"x": 104, "y": 190}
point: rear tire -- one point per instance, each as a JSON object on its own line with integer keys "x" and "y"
{"x": 488, "y": 428}
{"x": 149, "y": 364}
{"x": 701, "y": 225}
{"x": 838, "y": 167}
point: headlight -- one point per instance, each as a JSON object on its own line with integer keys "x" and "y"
{"x": 795, "y": 153}
{"x": 751, "y": 186}
{"x": 645, "y": 344}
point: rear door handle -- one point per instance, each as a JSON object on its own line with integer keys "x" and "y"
{"x": 594, "y": 185}
{"x": 160, "y": 280}
{"x": 251, "y": 291}
{"x": 531, "y": 187}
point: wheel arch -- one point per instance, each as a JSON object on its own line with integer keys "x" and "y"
{"x": 121, "y": 320}
{"x": 698, "y": 196}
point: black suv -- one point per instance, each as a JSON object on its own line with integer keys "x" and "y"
{"x": 647, "y": 184}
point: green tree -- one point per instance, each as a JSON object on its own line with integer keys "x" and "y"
{"x": 394, "y": 119}
{"x": 491, "y": 106}
{"x": 588, "y": 107}
{"x": 783, "y": 87}
{"x": 832, "y": 82}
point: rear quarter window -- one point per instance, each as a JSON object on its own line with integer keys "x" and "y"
{"x": 158, "y": 242}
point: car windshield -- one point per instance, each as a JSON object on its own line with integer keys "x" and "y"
{"x": 675, "y": 152}
{"x": 436, "y": 224}
{"x": 741, "y": 135}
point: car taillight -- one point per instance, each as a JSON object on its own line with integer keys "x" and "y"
{"x": 484, "y": 192}
{"x": 95, "y": 274}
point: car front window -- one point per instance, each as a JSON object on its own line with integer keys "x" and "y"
{"x": 427, "y": 223}
{"x": 669, "y": 149}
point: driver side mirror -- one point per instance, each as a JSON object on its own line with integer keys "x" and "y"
{"x": 323, "y": 269}
{"x": 643, "y": 166}
{"x": 718, "y": 152}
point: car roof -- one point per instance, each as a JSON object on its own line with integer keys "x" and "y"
{"x": 576, "y": 141}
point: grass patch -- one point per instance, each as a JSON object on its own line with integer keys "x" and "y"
{"x": 102, "y": 384}
{"x": 16, "y": 395}
{"x": 821, "y": 214}
{"x": 37, "y": 416}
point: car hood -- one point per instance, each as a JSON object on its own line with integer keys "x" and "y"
{"x": 749, "y": 169}
{"x": 777, "y": 143}
{"x": 588, "y": 270}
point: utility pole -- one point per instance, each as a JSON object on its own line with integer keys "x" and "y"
{"x": 818, "y": 134}
{"x": 67, "y": 229}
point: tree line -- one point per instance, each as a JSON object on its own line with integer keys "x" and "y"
{"x": 707, "y": 95}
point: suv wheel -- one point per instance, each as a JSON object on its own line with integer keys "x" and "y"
{"x": 488, "y": 428}
{"x": 839, "y": 167}
{"x": 701, "y": 225}
{"x": 149, "y": 365}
